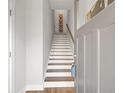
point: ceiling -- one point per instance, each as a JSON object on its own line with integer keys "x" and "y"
{"x": 61, "y": 4}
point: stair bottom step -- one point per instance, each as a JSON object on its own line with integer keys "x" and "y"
{"x": 59, "y": 84}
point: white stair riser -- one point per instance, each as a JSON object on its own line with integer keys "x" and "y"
{"x": 61, "y": 42}
{"x": 59, "y": 84}
{"x": 60, "y": 53}
{"x": 61, "y": 57}
{"x": 60, "y": 74}
{"x": 61, "y": 47}
{"x": 59, "y": 66}
{"x": 61, "y": 50}
{"x": 61, "y": 61}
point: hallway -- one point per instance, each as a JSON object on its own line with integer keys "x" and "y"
{"x": 62, "y": 46}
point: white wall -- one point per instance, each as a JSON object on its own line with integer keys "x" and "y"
{"x": 33, "y": 33}
{"x": 39, "y": 29}
{"x": 19, "y": 45}
{"x": 34, "y": 44}
{"x": 71, "y": 21}
{"x": 61, "y": 4}
{"x": 48, "y": 28}
{"x": 84, "y": 7}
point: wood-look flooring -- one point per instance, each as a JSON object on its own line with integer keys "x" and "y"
{"x": 55, "y": 90}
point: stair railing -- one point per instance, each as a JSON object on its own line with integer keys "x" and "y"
{"x": 70, "y": 37}
{"x": 70, "y": 33}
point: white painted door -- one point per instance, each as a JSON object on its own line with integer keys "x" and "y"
{"x": 95, "y": 54}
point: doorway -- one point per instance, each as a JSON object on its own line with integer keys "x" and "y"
{"x": 60, "y": 22}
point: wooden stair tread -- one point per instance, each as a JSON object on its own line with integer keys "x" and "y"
{"x": 60, "y": 63}
{"x": 59, "y": 79}
{"x": 58, "y": 70}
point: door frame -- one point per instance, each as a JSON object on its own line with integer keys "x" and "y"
{"x": 75, "y": 24}
{"x": 11, "y": 46}
{"x": 75, "y": 44}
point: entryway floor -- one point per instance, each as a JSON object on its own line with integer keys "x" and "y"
{"x": 55, "y": 90}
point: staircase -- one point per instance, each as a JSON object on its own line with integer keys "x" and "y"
{"x": 60, "y": 61}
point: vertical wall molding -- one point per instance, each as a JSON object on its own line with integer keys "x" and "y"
{"x": 98, "y": 60}
{"x": 84, "y": 38}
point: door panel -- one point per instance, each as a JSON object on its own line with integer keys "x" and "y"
{"x": 91, "y": 63}
{"x": 87, "y": 63}
{"x": 96, "y": 61}
{"x": 81, "y": 64}
{"x": 107, "y": 62}
{"x": 95, "y": 54}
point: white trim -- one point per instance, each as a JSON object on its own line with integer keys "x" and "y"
{"x": 34, "y": 87}
{"x": 84, "y": 63}
{"x": 61, "y": 61}
{"x": 59, "y": 67}
{"x": 98, "y": 60}
{"x": 59, "y": 84}
{"x": 62, "y": 57}
{"x": 61, "y": 53}
{"x": 11, "y": 48}
{"x": 58, "y": 74}
{"x": 76, "y": 62}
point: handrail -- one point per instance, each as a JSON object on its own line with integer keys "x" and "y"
{"x": 70, "y": 33}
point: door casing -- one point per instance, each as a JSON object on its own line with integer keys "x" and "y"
{"x": 11, "y": 47}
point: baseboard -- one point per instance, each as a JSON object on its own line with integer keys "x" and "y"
{"x": 32, "y": 88}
